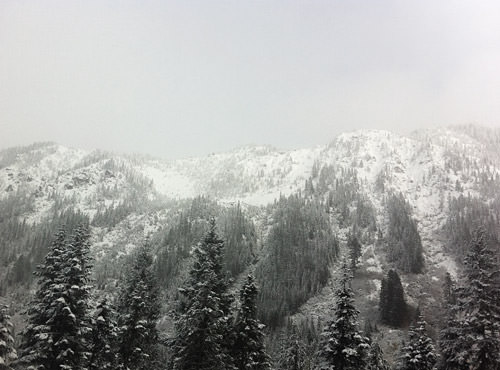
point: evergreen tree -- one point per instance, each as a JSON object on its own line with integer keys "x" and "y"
{"x": 449, "y": 340}
{"x": 354, "y": 251}
{"x": 448, "y": 290}
{"x": 203, "y": 320}
{"x": 55, "y": 337}
{"x": 375, "y": 359}
{"x": 419, "y": 353}
{"x": 139, "y": 310}
{"x": 293, "y": 354}
{"x": 104, "y": 338}
{"x": 343, "y": 347}
{"x": 404, "y": 246}
{"x": 248, "y": 346}
{"x": 392, "y": 305}
{"x": 7, "y": 352}
{"x": 471, "y": 339}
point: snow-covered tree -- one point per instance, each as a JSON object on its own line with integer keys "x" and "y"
{"x": 419, "y": 353}
{"x": 375, "y": 359}
{"x": 139, "y": 310}
{"x": 293, "y": 353}
{"x": 471, "y": 338}
{"x": 104, "y": 337}
{"x": 7, "y": 352}
{"x": 343, "y": 347}
{"x": 55, "y": 337}
{"x": 248, "y": 350}
{"x": 203, "y": 322}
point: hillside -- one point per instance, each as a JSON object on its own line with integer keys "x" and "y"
{"x": 446, "y": 175}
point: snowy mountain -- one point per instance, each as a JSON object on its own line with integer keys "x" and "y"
{"x": 425, "y": 166}
{"x": 128, "y": 197}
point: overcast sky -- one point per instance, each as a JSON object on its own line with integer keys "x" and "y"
{"x": 185, "y": 78}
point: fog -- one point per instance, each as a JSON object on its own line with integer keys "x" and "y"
{"x": 187, "y": 78}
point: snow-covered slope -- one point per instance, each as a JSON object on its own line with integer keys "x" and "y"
{"x": 428, "y": 167}
{"x": 420, "y": 166}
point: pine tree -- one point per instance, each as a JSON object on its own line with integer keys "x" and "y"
{"x": 448, "y": 290}
{"x": 55, "y": 337}
{"x": 392, "y": 305}
{"x": 471, "y": 339}
{"x": 293, "y": 354}
{"x": 419, "y": 353}
{"x": 404, "y": 245}
{"x": 74, "y": 348}
{"x": 343, "y": 347}
{"x": 354, "y": 251}
{"x": 139, "y": 310}
{"x": 449, "y": 335}
{"x": 203, "y": 320}
{"x": 375, "y": 359}
{"x": 248, "y": 350}
{"x": 104, "y": 337}
{"x": 7, "y": 352}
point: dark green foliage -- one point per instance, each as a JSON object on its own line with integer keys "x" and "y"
{"x": 464, "y": 215}
{"x": 7, "y": 352}
{"x": 112, "y": 215}
{"x": 241, "y": 240}
{"x": 293, "y": 353}
{"x": 449, "y": 297}
{"x": 301, "y": 247}
{"x": 404, "y": 247}
{"x": 58, "y": 323}
{"x": 354, "y": 247}
{"x": 375, "y": 358}
{"x": 176, "y": 245}
{"x": 203, "y": 322}
{"x": 103, "y": 341}
{"x": 418, "y": 353}
{"x": 471, "y": 337}
{"x": 247, "y": 349}
{"x": 139, "y": 310}
{"x": 342, "y": 346}
{"x": 392, "y": 304}
{"x": 26, "y": 245}
{"x": 190, "y": 226}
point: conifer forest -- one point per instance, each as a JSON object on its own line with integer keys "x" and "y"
{"x": 100, "y": 270}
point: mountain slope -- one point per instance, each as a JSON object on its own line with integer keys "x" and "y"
{"x": 127, "y": 198}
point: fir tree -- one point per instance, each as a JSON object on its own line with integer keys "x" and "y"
{"x": 343, "y": 347}
{"x": 7, "y": 352}
{"x": 104, "y": 338}
{"x": 419, "y": 353}
{"x": 55, "y": 337}
{"x": 203, "y": 320}
{"x": 354, "y": 251}
{"x": 449, "y": 340}
{"x": 375, "y": 359}
{"x": 139, "y": 310}
{"x": 448, "y": 290}
{"x": 392, "y": 304}
{"x": 293, "y": 354}
{"x": 404, "y": 245}
{"x": 471, "y": 339}
{"x": 248, "y": 346}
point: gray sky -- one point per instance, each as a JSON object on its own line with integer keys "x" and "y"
{"x": 184, "y": 78}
